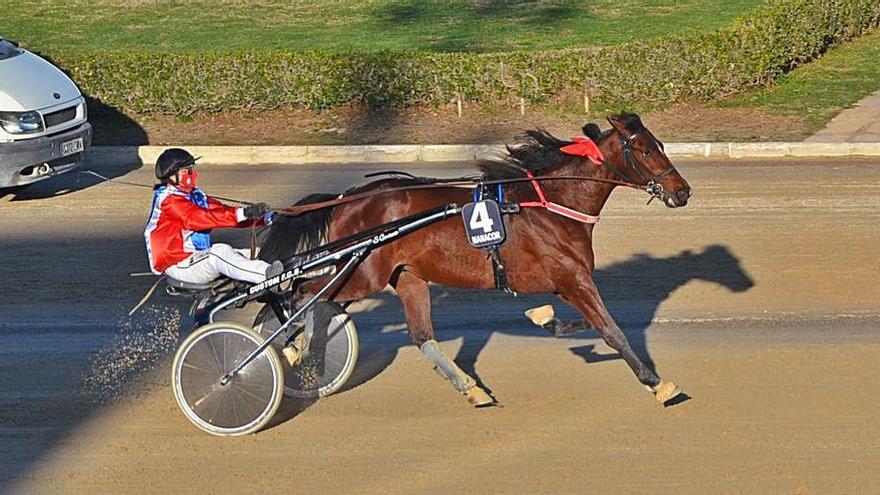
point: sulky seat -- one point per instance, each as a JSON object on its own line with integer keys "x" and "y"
{"x": 180, "y": 286}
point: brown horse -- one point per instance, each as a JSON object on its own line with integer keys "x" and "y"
{"x": 543, "y": 252}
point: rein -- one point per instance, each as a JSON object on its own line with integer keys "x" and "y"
{"x": 137, "y": 184}
{"x": 441, "y": 184}
{"x": 652, "y": 186}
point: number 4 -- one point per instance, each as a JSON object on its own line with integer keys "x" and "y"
{"x": 480, "y": 218}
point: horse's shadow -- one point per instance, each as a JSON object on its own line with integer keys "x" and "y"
{"x": 633, "y": 290}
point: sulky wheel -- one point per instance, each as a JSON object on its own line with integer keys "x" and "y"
{"x": 244, "y": 404}
{"x": 329, "y": 356}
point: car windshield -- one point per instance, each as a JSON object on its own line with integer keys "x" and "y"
{"x": 8, "y": 49}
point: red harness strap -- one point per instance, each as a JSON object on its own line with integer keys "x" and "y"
{"x": 553, "y": 207}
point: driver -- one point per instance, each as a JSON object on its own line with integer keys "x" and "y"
{"x": 178, "y": 233}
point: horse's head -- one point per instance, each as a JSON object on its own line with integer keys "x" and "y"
{"x": 643, "y": 162}
{"x": 716, "y": 263}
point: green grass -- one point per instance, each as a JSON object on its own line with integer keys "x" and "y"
{"x": 54, "y": 26}
{"x": 820, "y": 90}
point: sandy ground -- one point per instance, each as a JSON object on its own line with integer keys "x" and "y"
{"x": 760, "y": 299}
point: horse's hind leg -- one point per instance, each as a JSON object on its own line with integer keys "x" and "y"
{"x": 415, "y": 297}
{"x": 585, "y": 297}
{"x": 545, "y": 317}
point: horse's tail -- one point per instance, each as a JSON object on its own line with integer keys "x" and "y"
{"x": 289, "y": 235}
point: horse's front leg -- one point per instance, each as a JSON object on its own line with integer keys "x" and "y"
{"x": 416, "y": 299}
{"x": 583, "y": 294}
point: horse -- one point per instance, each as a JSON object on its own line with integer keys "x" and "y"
{"x": 544, "y": 252}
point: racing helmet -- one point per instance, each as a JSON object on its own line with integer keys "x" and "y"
{"x": 172, "y": 160}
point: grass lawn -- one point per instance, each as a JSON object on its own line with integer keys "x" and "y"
{"x": 53, "y": 26}
{"x": 818, "y": 91}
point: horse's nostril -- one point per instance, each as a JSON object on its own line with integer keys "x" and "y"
{"x": 684, "y": 195}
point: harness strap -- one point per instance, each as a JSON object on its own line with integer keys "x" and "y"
{"x": 484, "y": 191}
{"x": 499, "y": 271}
{"x": 555, "y": 207}
{"x": 254, "y": 240}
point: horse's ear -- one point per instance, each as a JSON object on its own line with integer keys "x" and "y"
{"x": 592, "y": 131}
{"x": 616, "y": 123}
{"x": 626, "y": 123}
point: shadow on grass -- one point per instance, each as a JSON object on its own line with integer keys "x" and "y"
{"x": 458, "y": 26}
{"x": 114, "y": 128}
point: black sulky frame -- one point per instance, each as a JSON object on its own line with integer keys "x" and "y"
{"x": 352, "y": 249}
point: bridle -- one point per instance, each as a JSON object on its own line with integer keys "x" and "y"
{"x": 648, "y": 182}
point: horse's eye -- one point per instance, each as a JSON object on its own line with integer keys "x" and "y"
{"x": 647, "y": 152}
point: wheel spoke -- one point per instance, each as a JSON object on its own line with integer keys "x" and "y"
{"x": 197, "y": 368}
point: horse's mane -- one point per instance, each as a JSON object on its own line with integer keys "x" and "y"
{"x": 532, "y": 151}
{"x": 536, "y": 149}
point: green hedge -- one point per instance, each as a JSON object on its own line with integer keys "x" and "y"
{"x": 768, "y": 41}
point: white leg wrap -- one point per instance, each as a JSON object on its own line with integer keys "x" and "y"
{"x": 541, "y": 315}
{"x": 447, "y": 368}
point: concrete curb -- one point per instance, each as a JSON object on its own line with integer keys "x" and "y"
{"x": 221, "y": 155}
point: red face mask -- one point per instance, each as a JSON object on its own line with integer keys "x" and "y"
{"x": 187, "y": 178}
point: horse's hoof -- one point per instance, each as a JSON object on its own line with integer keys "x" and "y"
{"x": 478, "y": 397}
{"x": 292, "y": 355}
{"x": 541, "y": 315}
{"x": 666, "y": 391}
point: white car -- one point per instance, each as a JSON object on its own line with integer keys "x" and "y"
{"x": 44, "y": 127}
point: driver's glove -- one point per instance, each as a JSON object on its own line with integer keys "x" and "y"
{"x": 255, "y": 211}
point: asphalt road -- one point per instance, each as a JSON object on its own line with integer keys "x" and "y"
{"x": 760, "y": 298}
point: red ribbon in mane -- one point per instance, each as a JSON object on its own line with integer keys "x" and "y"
{"x": 584, "y": 147}
{"x": 581, "y": 146}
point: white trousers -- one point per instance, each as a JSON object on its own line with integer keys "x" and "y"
{"x": 221, "y": 259}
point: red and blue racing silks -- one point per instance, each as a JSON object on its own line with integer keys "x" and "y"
{"x": 180, "y": 224}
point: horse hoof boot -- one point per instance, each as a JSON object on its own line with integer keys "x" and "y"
{"x": 541, "y": 315}
{"x": 292, "y": 355}
{"x": 478, "y": 397}
{"x": 665, "y": 391}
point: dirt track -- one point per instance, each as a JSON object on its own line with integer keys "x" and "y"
{"x": 769, "y": 323}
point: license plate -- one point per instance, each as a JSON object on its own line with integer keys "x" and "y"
{"x": 72, "y": 146}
